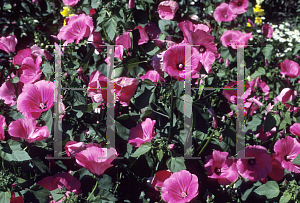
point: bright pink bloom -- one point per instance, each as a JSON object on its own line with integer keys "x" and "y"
{"x": 267, "y": 31}
{"x": 167, "y": 9}
{"x": 37, "y": 51}
{"x": 8, "y": 93}
{"x": 220, "y": 167}
{"x": 96, "y": 159}
{"x": 73, "y": 147}
{"x": 290, "y": 68}
{"x": 70, "y": 2}
{"x": 159, "y": 178}
{"x": 180, "y": 187}
{"x": 143, "y": 132}
{"x": 78, "y": 27}
{"x": 125, "y": 41}
{"x": 235, "y": 38}
{"x": 153, "y": 76}
{"x": 97, "y": 81}
{"x": 256, "y": 104}
{"x": 230, "y": 95}
{"x": 295, "y": 129}
{"x": 286, "y": 150}
{"x": 285, "y": 95}
{"x": 224, "y": 13}
{"x": 277, "y": 173}
{"x": 36, "y": 98}
{"x": 21, "y": 55}
{"x": 143, "y": 35}
{"x": 8, "y": 44}
{"x": 264, "y": 136}
{"x": 2, "y": 126}
{"x": 259, "y": 83}
{"x": 187, "y": 27}
{"x": 96, "y": 40}
{"x": 28, "y": 129}
{"x": 30, "y": 70}
{"x": 256, "y": 168}
{"x": 131, "y": 4}
{"x": 174, "y": 62}
{"x": 171, "y": 146}
{"x": 239, "y": 6}
{"x": 124, "y": 89}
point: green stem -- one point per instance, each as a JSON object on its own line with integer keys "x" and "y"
{"x": 93, "y": 190}
{"x": 171, "y": 119}
{"x": 206, "y": 143}
{"x": 232, "y": 184}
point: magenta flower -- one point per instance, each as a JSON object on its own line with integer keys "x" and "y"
{"x": 96, "y": 40}
{"x": 235, "y": 38}
{"x": 239, "y": 6}
{"x": 96, "y": 159}
{"x": 259, "y": 83}
{"x": 180, "y": 187}
{"x": 8, "y": 93}
{"x": 187, "y": 27}
{"x": 267, "y": 30}
{"x": 277, "y": 173}
{"x": 21, "y": 55}
{"x": 2, "y": 126}
{"x": 8, "y": 44}
{"x": 159, "y": 178}
{"x": 143, "y": 132}
{"x": 143, "y": 35}
{"x": 214, "y": 115}
{"x": 73, "y": 147}
{"x": 36, "y": 98}
{"x": 295, "y": 129}
{"x": 152, "y": 30}
{"x": 37, "y": 51}
{"x": 70, "y": 2}
{"x": 97, "y": 87}
{"x": 124, "y": 89}
{"x": 264, "y": 136}
{"x": 167, "y": 9}
{"x": 131, "y": 4}
{"x": 78, "y": 27}
{"x": 153, "y": 76}
{"x": 285, "y": 95}
{"x": 286, "y": 150}
{"x": 125, "y": 42}
{"x": 174, "y": 62}
{"x": 28, "y": 129}
{"x": 258, "y": 166}
{"x": 30, "y": 70}
{"x": 218, "y": 166}
{"x": 290, "y": 68}
{"x": 224, "y": 13}
{"x": 230, "y": 95}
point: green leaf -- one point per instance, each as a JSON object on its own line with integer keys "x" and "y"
{"x": 267, "y": 51}
{"x": 5, "y": 197}
{"x": 105, "y": 182}
{"x": 286, "y": 196}
{"x": 48, "y": 118}
{"x": 47, "y": 69}
{"x": 101, "y": 17}
{"x": 296, "y": 160}
{"x": 258, "y": 72}
{"x": 15, "y": 80}
{"x": 78, "y": 96}
{"x": 111, "y": 27}
{"x": 143, "y": 149}
{"x": 270, "y": 122}
{"x": 178, "y": 88}
{"x": 160, "y": 154}
{"x": 40, "y": 193}
{"x": 176, "y": 164}
{"x": 13, "y": 152}
{"x": 255, "y": 123}
{"x": 296, "y": 49}
{"x": 270, "y": 189}
{"x": 182, "y": 105}
{"x": 57, "y": 194}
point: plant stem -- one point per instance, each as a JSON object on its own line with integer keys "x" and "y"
{"x": 93, "y": 190}
{"x": 206, "y": 143}
{"x": 232, "y": 184}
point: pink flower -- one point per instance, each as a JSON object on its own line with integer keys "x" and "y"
{"x": 153, "y": 76}
{"x": 290, "y": 68}
{"x": 285, "y": 95}
{"x": 258, "y": 83}
{"x": 28, "y": 129}
{"x": 167, "y": 9}
{"x": 171, "y": 146}
{"x": 152, "y": 30}
{"x": 36, "y": 98}
{"x": 95, "y": 91}
{"x": 251, "y": 23}
{"x": 239, "y": 6}
{"x": 125, "y": 42}
{"x": 96, "y": 40}
{"x": 143, "y": 132}
{"x": 78, "y": 27}
{"x": 214, "y": 115}
{"x": 143, "y": 35}
{"x": 30, "y": 70}
{"x": 267, "y": 31}
{"x": 21, "y": 55}
{"x": 235, "y": 38}
{"x": 124, "y": 89}
{"x": 277, "y": 173}
{"x": 174, "y": 62}
{"x": 220, "y": 167}
{"x": 286, "y": 150}
{"x": 8, "y": 44}
{"x": 2, "y": 126}
{"x": 256, "y": 104}
{"x": 180, "y": 187}
{"x": 295, "y": 129}
{"x": 8, "y": 93}
{"x": 224, "y": 13}
{"x": 159, "y": 178}
{"x": 187, "y": 27}
{"x": 231, "y": 95}
{"x": 96, "y": 159}
{"x": 264, "y": 136}
{"x": 256, "y": 168}
{"x": 73, "y": 147}
{"x": 70, "y": 2}
{"x": 131, "y": 4}
{"x": 37, "y": 51}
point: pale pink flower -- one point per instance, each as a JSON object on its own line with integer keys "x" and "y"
{"x": 37, "y": 51}
{"x": 8, "y": 92}
{"x": 73, "y": 147}
{"x": 70, "y": 2}
{"x": 96, "y": 159}
{"x": 21, "y": 55}
{"x": 8, "y": 44}
{"x": 235, "y": 38}
{"x": 187, "y": 27}
{"x": 2, "y": 126}
{"x": 295, "y": 129}
{"x": 30, "y": 70}
{"x": 36, "y": 98}
{"x": 218, "y": 166}
{"x": 159, "y": 178}
{"x": 28, "y": 129}
{"x": 97, "y": 87}
{"x": 153, "y": 76}
{"x": 167, "y": 9}
{"x": 224, "y": 13}
{"x": 239, "y": 6}
{"x": 267, "y": 31}
{"x": 124, "y": 89}
{"x": 180, "y": 187}
{"x": 290, "y": 68}
{"x": 143, "y": 132}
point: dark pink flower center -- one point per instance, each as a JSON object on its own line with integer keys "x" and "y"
{"x": 251, "y": 161}
{"x": 225, "y": 16}
{"x": 218, "y": 171}
{"x": 239, "y": 3}
{"x": 183, "y": 195}
{"x": 202, "y": 49}
{"x": 180, "y": 66}
{"x": 43, "y": 106}
{"x": 287, "y": 158}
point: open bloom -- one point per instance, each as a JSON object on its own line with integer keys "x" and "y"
{"x": 70, "y": 2}
{"x": 8, "y": 92}
{"x": 124, "y": 89}
{"x": 96, "y": 159}
{"x": 258, "y": 11}
{"x": 97, "y": 87}
{"x": 73, "y": 147}
{"x": 28, "y": 129}
{"x": 285, "y": 95}
{"x": 36, "y": 98}
{"x": 286, "y": 150}
{"x": 30, "y": 70}
{"x": 2, "y": 126}
{"x": 167, "y": 9}
{"x": 239, "y": 6}
{"x": 143, "y": 132}
{"x": 295, "y": 129}
{"x": 37, "y": 51}
{"x": 153, "y": 76}
{"x": 125, "y": 42}
{"x": 258, "y": 166}
{"x": 159, "y": 178}
{"x": 96, "y": 40}
{"x": 235, "y": 38}
{"x": 180, "y": 187}
{"x": 8, "y": 44}
{"x": 290, "y": 68}
{"x": 220, "y": 167}
{"x": 224, "y": 13}
{"x": 21, "y": 55}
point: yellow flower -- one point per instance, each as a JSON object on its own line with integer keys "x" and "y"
{"x": 65, "y": 20}
{"x": 65, "y": 12}
{"x": 249, "y": 25}
{"x": 258, "y": 11}
{"x": 258, "y": 21}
